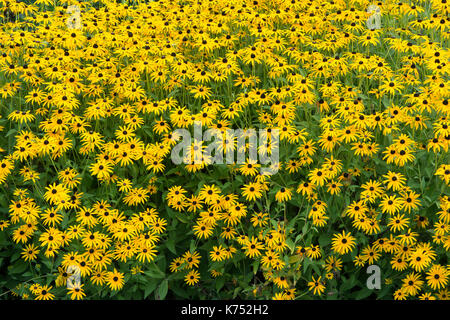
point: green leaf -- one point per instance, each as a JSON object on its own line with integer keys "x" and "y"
{"x": 150, "y": 288}
{"x": 348, "y": 284}
{"x": 170, "y": 243}
{"x": 19, "y": 267}
{"x": 255, "y": 266}
{"x": 324, "y": 240}
{"x": 154, "y": 272}
{"x": 192, "y": 246}
{"x": 290, "y": 244}
{"x": 162, "y": 290}
{"x": 363, "y": 293}
{"x": 315, "y": 268}
{"x": 219, "y": 283}
{"x": 10, "y": 132}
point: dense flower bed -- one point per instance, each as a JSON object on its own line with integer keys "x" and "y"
{"x": 92, "y": 95}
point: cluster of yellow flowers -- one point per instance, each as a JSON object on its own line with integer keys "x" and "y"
{"x": 92, "y": 95}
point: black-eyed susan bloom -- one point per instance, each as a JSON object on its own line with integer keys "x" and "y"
{"x": 253, "y": 247}
{"x": 284, "y": 194}
{"x": 316, "y": 285}
{"x": 343, "y": 242}
{"x": 192, "y": 277}
{"x": 437, "y": 277}
{"x": 115, "y": 280}
{"x": 412, "y": 283}
{"x": 30, "y": 252}
{"x": 76, "y": 292}
{"x": 43, "y": 293}
{"x": 252, "y": 191}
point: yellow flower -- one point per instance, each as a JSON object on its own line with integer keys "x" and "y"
{"x": 316, "y": 286}
{"x": 192, "y": 277}
{"x": 115, "y": 280}
{"x": 437, "y": 277}
{"x": 253, "y": 248}
{"x": 43, "y": 293}
{"x": 284, "y": 194}
{"x": 343, "y": 243}
{"x": 76, "y": 292}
